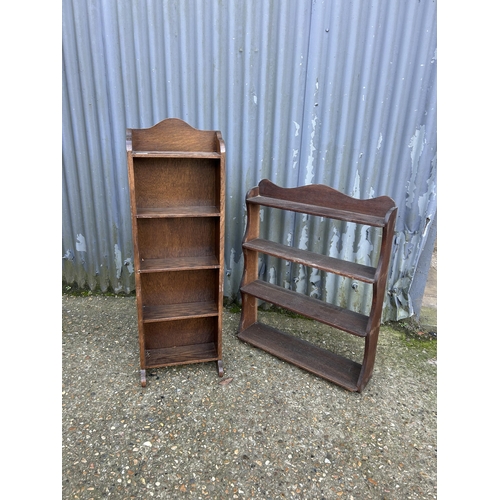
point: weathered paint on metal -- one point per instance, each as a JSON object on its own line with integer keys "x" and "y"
{"x": 309, "y": 91}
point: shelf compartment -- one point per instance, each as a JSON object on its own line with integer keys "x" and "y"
{"x": 180, "y": 293}
{"x": 307, "y": 258}
{"x": 194, "y": 237}
{"x": 183, "y": 341}
{"x": 166, "y": 184}
{"x": 303, "y": 354}
{"x": 329, "y": 314}
{"x": 179, "y": 311}
{"x": 330, "y": 213}
{"x": 180, "y": 332}
{"x": 169, "y": 356}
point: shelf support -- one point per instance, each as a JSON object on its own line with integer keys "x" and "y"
{"x": 251, "y": 267}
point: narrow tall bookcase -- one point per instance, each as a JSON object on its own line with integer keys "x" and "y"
{"x": 322, "y": 201}
{"x": 177, "y": 198}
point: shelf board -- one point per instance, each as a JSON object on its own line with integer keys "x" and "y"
{"x": 178, "y": 264}
{"x": 303, "y": 354}
{"x": 152, "y": 314}
{"x": 331, "y": 213}
{"x": 176, "y": 154}
{"x": 189, "y": 211}
{"x": 180, "y": 355}
{"x": 331, "y": 315}
{"x": 307, "y": 258}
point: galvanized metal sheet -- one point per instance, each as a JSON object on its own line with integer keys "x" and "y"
{"x": 331, "y": 92}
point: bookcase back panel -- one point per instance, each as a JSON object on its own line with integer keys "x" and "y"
{"x": 180, "y": 333}
{"x": 171, "y": 182}
{"x": 178, "y": 237}
{"x": 180, "y": 287}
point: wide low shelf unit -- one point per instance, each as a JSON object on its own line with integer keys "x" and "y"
{"x": 177, "y": 185}
{"x": 323, "y": 201}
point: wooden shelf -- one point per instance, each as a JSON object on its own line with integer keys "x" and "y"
{"x": 322, "y": 362}
{"x": 323, "y": 262}
{"x": 178, "y": 264}
{"x": 181, "y": 355}
{"x": 306, "y": 208}
{"x": 177, "y": 197}
{"x": 176, "y": 154}
{"x": 319, "y": 200}
{"x": 166, "y": 212}
{"x": 172, "y": 312}
{"x": 318, "y": 310}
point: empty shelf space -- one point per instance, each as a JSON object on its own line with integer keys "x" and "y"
{"x": 176, "y": 154}
{"x": 319, "y": 261}
{"x": 178, "y": 264}
{"x": 358, "y": 218}
{"x": 179, "y": 311}
{"x": 189, "y": 211}
{"x": 332, "y": 315}
{"x": 303, "y": 354}
{"x": 181, "y": 355}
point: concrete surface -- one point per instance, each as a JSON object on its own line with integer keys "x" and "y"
{"x": 266, "y": 430}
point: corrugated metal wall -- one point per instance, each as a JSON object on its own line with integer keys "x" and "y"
{"x": 334, "y": 92}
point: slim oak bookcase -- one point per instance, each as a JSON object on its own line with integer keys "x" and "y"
{"x": 177, "y": 184}
{"x": 323, "y": 201}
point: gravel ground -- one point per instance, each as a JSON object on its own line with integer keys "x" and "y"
{"x": 266, "y": 430}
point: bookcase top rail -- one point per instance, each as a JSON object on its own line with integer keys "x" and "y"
{"x": 323, "y": 201}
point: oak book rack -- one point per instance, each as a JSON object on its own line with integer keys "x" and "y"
{"x": 177, "y": 197}
{"x": 323, "y": 201}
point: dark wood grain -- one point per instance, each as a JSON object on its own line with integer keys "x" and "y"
{"x": 170, "y": 183}
{"x": 170, "y": 212}
{"x": 299, "y": 352}
{"x": 178, "y": 237}
{"x": 319, "y": 195}
{"x": 179, "y": 264}
{"x": 312, "y": 259}
{"x": 307, "y": 208}
{"x": 165, "y": 312}
{"x": 319, "y": 310}
{"x": 169, "y": 356}
{"x": 177, "y": 203}
{"x": 173, "y": 135}
{"x": 323, "y": 201}
{"x": 175, "y": 154}
{"x": 183, "y": 331}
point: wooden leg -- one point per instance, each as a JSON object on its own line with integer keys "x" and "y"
{"x": 220, "y": 368}
{"x": 143, "y": 378}
{"x": 368, "y": 360}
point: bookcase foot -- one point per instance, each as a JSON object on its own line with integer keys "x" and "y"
{"x": 220, "y": 368}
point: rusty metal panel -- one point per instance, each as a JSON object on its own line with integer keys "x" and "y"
{"x": 336, "y": 92}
